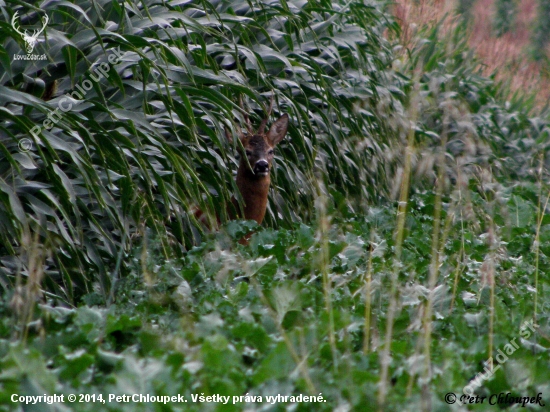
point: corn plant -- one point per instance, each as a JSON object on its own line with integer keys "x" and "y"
{"x": 119, "y": 133}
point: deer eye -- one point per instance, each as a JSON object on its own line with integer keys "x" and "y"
{"x": 270, "y": 152}
{"x": 248, "y": 153}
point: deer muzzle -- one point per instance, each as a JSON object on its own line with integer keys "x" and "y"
{"x": 261, "y": 168}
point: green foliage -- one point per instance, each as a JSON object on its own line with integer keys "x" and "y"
{"x": 464, "y": 9}
{"x": 137, "y": 153}
{"x": 88, "y": 174}
{"x": 541, "y": 34}
{"x": 101, "y": 207}
{"x": 504, "y": 17}
{"x": 252, "y": 309}
{"x": 464, "y": 110}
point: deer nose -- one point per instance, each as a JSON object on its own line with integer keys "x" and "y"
{"x": 261, "y": 166}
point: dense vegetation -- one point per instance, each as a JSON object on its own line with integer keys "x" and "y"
{"x": 110, "y": 286}
{"x": 147, "y": 143}
{"x": 541, "y": 37}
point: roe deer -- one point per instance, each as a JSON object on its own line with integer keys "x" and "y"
{"x": 253, "y": 178}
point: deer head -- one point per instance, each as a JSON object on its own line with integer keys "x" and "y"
{"x": 258, "y": 148}
{"x": 30, "y": 39}
{"x": 253, "y": 178}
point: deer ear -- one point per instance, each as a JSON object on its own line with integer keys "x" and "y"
{"x": 278, "y": 130}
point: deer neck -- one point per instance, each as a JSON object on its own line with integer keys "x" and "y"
{"x": 254, "y": 190}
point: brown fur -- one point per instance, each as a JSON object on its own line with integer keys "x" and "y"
{"x": 254, "y": 193}
{"x": 254, "y": 186}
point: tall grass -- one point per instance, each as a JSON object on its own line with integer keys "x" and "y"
{"x": 540, "y": 36}
{"x": 505, "y": 16}
{"x": 505, "y": 56}
{"x": 146, "y": 145}
{"x": 460, "y": 126}
{"x": 404, "y": 194}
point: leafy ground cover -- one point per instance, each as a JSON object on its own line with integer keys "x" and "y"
{"x": 304, "y": 311}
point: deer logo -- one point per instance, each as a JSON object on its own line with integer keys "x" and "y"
{"x": 30, "y": 39}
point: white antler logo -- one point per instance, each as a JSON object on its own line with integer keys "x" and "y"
{"x": 32, "y": 39}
